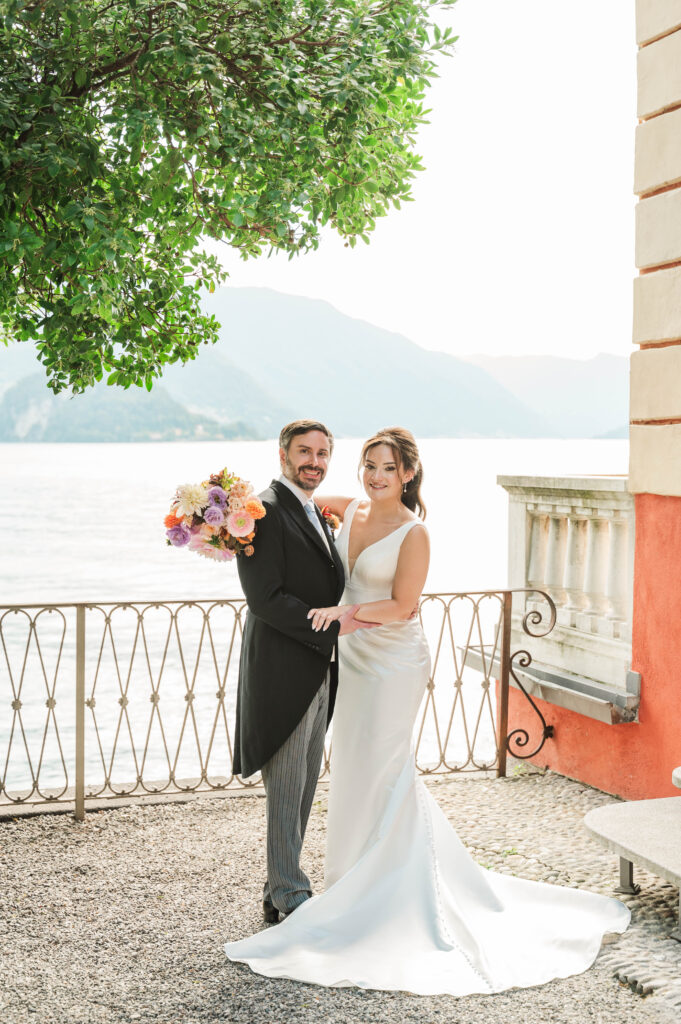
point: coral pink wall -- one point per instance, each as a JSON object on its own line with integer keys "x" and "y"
{"x": 635, "y": 760}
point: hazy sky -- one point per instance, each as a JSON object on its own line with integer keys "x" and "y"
{"x": 520, "y": 239}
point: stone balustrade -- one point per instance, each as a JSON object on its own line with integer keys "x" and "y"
{"x": 574, "y": 538}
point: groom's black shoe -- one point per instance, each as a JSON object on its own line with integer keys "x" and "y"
{"x": 270, "y": 914}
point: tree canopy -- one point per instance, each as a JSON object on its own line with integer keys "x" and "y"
{"x": 132, "y": 129}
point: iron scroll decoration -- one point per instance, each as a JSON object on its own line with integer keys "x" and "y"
{"x": 533, "y": 618}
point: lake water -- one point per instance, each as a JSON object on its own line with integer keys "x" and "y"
{"x": 84, "y": 523}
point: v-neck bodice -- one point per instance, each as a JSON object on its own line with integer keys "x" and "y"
{"x": 372, "y": 575}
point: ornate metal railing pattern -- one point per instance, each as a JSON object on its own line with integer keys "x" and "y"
{"x": 133, "y": 699}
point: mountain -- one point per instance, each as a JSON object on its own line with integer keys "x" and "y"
{"x": 17, "y": 360}
{"x": 30, "y": 412}
{"x": 281, "y": 357}
{"x": 621, "y": 431}
{"x": 213, "y": 385}
{"x": 292, "y": 357}
{"x": 578, "y": 397}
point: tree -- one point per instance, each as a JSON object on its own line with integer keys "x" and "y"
{"x": 130, "y": 129}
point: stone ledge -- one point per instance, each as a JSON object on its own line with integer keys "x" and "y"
{"x": 583, "y": 696}
{"x": 568, "y": 485}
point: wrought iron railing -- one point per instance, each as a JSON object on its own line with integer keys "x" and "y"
{"x": 105, "y": 701}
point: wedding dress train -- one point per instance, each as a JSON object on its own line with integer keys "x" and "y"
{"x": 406, "y": 907}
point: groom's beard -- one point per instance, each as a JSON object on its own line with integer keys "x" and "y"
{"x": 293, "y": 474}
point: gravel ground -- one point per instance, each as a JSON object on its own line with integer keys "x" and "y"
{"x": 123, "y": 918}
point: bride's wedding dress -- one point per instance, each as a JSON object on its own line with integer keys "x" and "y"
{"x": 406, "y": 907}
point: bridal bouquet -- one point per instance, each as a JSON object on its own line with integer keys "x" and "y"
{"x": 217, "y": 518}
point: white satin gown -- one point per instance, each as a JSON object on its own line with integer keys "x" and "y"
{"x": 405, "y": 906}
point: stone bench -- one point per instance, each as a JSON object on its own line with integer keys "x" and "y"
{"x": 643, "y": 832}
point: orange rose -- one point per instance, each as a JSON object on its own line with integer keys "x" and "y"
{"x": 255, "y": 509}
{"x": 172, "y": 520}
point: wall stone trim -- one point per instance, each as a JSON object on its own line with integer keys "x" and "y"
{"x": 659, "y": 75}
{"x": 655, "y": 459}
{"x": 657, "y": 306}
{"x": 658, "y": 153}
{"x": 655, "y": 18}
{"x": 655, "y": 433}
{"x": 656, "y": 384}
{"x": 658, "y": 229}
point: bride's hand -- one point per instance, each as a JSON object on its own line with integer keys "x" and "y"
{"x": 323, "y": 617}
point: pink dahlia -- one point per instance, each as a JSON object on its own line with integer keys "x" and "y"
{"x": 240, "y": 524}
{"x": 200, "y": 545}
{"x": 217, "y": 554}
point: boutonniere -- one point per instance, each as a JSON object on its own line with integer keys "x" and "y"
{"x": 332, "y": 521}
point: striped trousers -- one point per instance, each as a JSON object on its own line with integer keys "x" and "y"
{"x": 290, "y": 779}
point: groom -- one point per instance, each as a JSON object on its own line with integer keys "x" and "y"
{"x": 288, "y": 673}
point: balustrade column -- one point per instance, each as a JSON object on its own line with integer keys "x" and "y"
{"x": 539, "y": 532}
{"x": 555, "y": 558}
{"x": 597, "y": 545}
{"x": 575, "y": 563}
{"x": 616, "y": 588}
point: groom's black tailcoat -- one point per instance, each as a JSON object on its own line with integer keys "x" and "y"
{"x": 283, "y": 661}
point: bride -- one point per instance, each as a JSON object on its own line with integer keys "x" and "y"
{"x": 405, "y": 906}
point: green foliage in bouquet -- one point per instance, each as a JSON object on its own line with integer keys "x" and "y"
{"x": 130, "y": 129}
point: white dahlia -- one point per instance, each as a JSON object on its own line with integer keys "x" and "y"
{"x": 191, "y": 499}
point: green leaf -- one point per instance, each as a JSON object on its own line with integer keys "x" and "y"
{"x": 235, "y": 125}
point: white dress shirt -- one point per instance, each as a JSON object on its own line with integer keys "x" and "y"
{"x": 305, "y": 498}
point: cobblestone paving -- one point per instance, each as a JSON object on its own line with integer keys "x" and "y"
{"x": 123, "y": 918}
{"x": 544, "y": 839}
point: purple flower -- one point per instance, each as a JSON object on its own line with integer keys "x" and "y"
{"x": 214, "y": 515}
{"x": 218, "y": 497}
{"x": 179, "y": 535}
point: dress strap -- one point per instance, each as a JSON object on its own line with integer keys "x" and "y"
{"x": 401, "y": 532}
{"x": 350, "y": 512}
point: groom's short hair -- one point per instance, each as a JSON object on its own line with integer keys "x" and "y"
{"x": 292, "y": 430}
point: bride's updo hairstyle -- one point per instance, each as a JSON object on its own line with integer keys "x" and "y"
{"x": 407, "y": 458}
